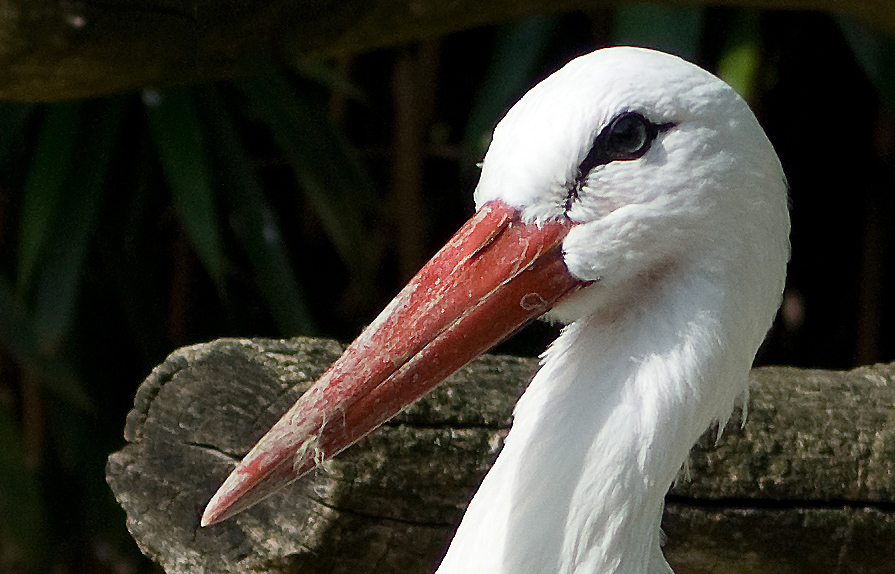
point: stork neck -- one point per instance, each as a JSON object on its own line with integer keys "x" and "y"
{"x": 597, "y": 439}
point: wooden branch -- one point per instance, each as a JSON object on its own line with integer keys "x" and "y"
{"x": 62, "y": 49}
{"x": 807, "y": 485}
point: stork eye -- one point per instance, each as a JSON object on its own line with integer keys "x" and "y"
{"x": 629, "y": 136}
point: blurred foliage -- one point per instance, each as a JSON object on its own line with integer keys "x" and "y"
{"x": 109, "y": 189}
{"x": 875, "y": 52}
{"x": 180, "y": 141}
{"x": 518, "y": 51}
{"x": 135, "y": 224}
{"x": 741, "y": 57}
{"x": 674, "y": 29}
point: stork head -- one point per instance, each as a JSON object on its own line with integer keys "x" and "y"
{"x": 621, "y": 166}
{"x": 656, "y": 163}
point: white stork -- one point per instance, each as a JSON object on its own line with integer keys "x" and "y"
{"x": 635, "y": 198}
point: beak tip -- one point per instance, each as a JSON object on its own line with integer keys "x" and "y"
{"x": 226, "y": 502}
{"x": 249, "y": 484}
{"x": 210, "y": 518}
{"x": 215, "y": 511}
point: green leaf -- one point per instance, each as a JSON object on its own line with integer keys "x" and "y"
{"x": 17, "y": 336}
{"x": 22, "y": 509}
{"x": 875, "y": 52}
{"x": 337, "y": 187}
{"x": 59, "y": 276}
{"x": 47, "y": 175}
{"x": 254, "y": 222}
{"x": 741, "y": 58}
{"x": 520, "y": 48}
{"x": 178, "y": 137}
{"x": 674, "y": 29}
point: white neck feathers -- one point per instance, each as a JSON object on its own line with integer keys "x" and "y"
{"x": 599, "y": 436}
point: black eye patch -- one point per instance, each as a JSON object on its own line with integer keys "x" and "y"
{"x": 627, "y": 137}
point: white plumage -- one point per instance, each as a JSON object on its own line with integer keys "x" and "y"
{"x": 688, "y": 247}
{"x": 671, "y": 208}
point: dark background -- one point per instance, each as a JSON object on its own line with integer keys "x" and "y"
{"x": 299, "y": 201}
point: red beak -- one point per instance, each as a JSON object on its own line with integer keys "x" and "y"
{"x": 490, "y": 279}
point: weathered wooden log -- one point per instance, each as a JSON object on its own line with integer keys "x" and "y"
{"x": 60, "y": 49}
{"x": 807, "y": 485}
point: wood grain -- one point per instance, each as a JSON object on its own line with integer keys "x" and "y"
{"x": 807, "y": 485}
